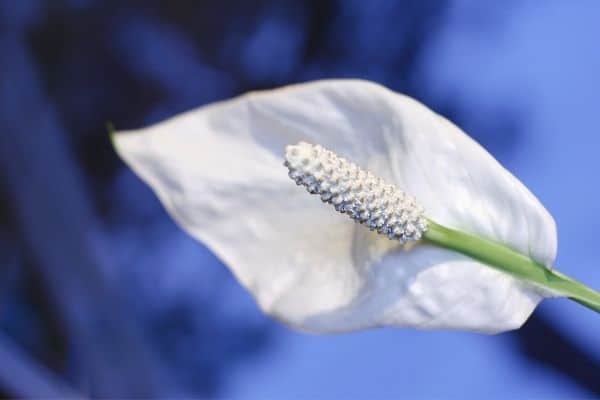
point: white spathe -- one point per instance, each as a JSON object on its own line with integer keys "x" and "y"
{"x": 219, "y": 172}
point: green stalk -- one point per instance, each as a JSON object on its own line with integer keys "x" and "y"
{"x": 510, "y": 261}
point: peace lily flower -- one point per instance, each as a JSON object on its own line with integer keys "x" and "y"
{"x": 455, "y": 240}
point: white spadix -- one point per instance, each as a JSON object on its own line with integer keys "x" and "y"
{"x": 365, "y": 198}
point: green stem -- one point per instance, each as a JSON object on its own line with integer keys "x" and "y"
{"x": 505, "y": 259}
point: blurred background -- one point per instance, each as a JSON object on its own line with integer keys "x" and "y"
{"x": 102, "y": 295}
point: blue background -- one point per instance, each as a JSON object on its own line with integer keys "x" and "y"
{"x": 101, "y": 293}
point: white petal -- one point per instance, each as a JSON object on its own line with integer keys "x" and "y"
{"x": 218, "y": 171}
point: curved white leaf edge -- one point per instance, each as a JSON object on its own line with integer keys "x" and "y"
{"x": 218, "y": 171}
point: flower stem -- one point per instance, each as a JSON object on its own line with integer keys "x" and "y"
{"x": 510, "y": 261}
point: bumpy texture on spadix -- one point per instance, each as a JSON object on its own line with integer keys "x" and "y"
{"x": 218, "y": 171}
{"x": 364, "y": 197}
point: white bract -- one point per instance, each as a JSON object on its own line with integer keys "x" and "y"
{"x": 219, "y": 172}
